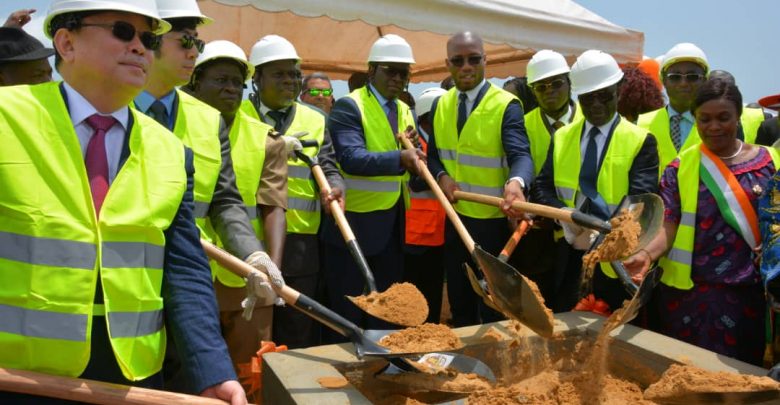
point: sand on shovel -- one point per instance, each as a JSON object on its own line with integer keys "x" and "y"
{"x": 428, "y": 337}
{"x": 621, "y": 242}
{"x": 402, "y": 304}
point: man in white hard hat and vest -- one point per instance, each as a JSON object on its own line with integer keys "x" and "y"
{"x": 375, "y": 168}
{"x": 591, "y": 165}
{"x": 478, "y": 143}
{"x": 98, "y": 204}
{"x": 276, "y": 83}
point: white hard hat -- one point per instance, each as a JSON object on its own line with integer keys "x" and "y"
{"x": 181, "y": 9}
{"x": 391, "y": 48}
{"x": 272, "y": 48}
{"x": 146, "y": 8}
{"x": 594, "y": 70}
{"x": 225, "y": 49}
{"x": 685, "y": 52}
{"x": 425, "y": 101}
{"x": 544, "y": 64}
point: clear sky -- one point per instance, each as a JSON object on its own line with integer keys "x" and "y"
{"x": 736, "y": 35}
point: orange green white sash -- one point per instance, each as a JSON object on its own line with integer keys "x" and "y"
{"x": 732, "y": 200}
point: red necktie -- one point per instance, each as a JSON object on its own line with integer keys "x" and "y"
{"x": 96, "y": 160}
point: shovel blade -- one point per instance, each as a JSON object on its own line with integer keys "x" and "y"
{"x": 513, "y": 293}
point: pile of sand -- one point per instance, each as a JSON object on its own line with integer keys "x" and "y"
{"x": 429, "y": 337}
{"x": 401, "y": 304}
{"x": 683, "y": 379}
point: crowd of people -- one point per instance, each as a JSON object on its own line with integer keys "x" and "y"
{"x": 112, "y": 176}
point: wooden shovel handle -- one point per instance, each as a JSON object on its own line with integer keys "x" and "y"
{"x": 90, "y": 391}
{"x": 537, "y": 209}
{"x": 335, "y": 208}
{"x": 434, "y": 186}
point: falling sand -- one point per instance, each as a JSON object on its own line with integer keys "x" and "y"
{"x": 402, "y": 304}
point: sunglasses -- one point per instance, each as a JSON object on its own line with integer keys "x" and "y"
{"x": 188, "y": 41}
{"x": 320, "y": 92}
{"x": 543, "y": 87}
{"x": 689, "y": 77}
{"x": 603, "y": 96}
{"x": 392, "y": 71}
{"x": 126, "y": 32}
{"x": 459, "y": 61}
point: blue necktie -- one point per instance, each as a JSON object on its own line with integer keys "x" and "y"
{"x": 392, "y": 115}
{"x": 589, "y": 173}
{"x": 463, "y": 114}
{"x": 159, "y": 113}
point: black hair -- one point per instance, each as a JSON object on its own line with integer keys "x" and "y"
{"x": 524, "y": 93}
{"x": 717, "y": 89}
{"x": 357, "y": 80}
{"x": 184, "y": 23}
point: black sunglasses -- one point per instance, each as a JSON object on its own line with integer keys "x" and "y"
{"x": 689, "y": 77}
{"x": 603, "y": 96}
{"x": 542, "y": 87}
{"x": 126, "y": 32}
{"x": 392, "y": 71}
{"x": 473, "y": 60}
{"x": 188, "y": 41}
{"x": 317, "y": 92}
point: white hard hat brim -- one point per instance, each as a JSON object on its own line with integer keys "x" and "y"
{"x": 615, "y": 78}
{"x": 75, "y": 6}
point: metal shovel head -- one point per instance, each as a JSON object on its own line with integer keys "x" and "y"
{"x": 651, "y": 218}
{"x": 513, "y": 294}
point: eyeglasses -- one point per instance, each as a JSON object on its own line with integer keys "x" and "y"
{"x": 318, "y": 92}
{"x": 543, "y": 87}
{"x": 675, "y": 78}
{"x": 393, "y": 71}
{"x": 603, "y": 96}
{"x": 188, "y": 41}
{"x": 124, "y": 31}
{"x": 473, "y": 60}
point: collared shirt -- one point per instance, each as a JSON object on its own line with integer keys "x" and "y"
{"x": 264, "y": 109}
{"x": 601, "y": 139}
{"x": 80, "y": 109}
{"x": 565, "y": 118}
{"x": 144, "y": 100}
{"x": 379, "y": 98}
{"x": 686, "y": 123}
{"x": 471, "y": 96}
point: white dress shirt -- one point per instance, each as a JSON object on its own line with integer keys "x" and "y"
{"x": 565, "y": 118}
{"x": 471, "y": 96}
{"x": 601, "y": 139}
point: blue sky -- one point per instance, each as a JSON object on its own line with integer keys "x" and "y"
{"x": 736, "y": 36}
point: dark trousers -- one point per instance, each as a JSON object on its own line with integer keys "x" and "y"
{"x": 534, "y": 257}
{"x": 301, "y": 271}
{"x": 466, "y": 306}
{"x": 424, "y": 267}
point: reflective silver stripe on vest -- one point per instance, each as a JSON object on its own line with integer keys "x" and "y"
{"x": 201, "y": 209}
{"x": 251, "y": 211}
{"x": 133, "y": 255}
{"x": 368, "y": 185}
{"x": 447, "y": 154}
{"x": 565, "y": 193}
{"x": 688, "y": 219}
{"x": 680, "y": 256}
{"x": 424, "y": 195}
{"x": 298, "y": 172}
{"x": 302, "y": 204}
{"x": 481, "y": 161}
{"x": 471, "y": 188}
{"x": 43, "y": 324}
{"x": 134, "y": 324}
{"x": 47, "y": 251}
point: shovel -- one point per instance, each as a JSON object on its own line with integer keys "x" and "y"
{"x": 511, "y": 291}
{"x": 354, "y": 248}
{"x": 364, "y": 346}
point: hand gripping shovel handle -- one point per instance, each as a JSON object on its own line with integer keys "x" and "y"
{"x": 448, "y": 209}
{"x": 341, "y": 221}
{"x": 577, "y": 217}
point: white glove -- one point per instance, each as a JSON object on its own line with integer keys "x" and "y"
{"x": 292, "y": 143}
{"x": 257, "y": 287}
{"x": 578, "y": 237}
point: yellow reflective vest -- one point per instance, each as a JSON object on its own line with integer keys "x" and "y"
{"x": 375, "y": 193}
{"x": 475, "y": 159}
{"x": 677, "y": 262}
{"x": 303, "y": 201}
{"x": 539, "y": 136}
{"x": 613, "y": 181}
{"x": 54, "y": 249}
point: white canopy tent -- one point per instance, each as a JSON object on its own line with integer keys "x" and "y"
{"x": 334, "y": 36}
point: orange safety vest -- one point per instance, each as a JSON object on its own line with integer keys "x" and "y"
{"x": 425, "y": 217}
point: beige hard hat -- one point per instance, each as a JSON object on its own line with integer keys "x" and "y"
{"x": 425, "y": 101}
{"x": 544, "y": 64}
{"x": 181, "y": 9}
{"x": 391, "y": 48}
{"x": 146, "y": 8}
{"x": 684, "y": 52}
{"x": 225, "y": 49}
{"x": 594, "y": 70}
{"x": 271, "y": 48}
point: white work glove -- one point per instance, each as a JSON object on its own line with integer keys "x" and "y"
{"x": 578, "y": 237}
{"x": 292, "y": 143}
{"x": 257, "y": 288}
